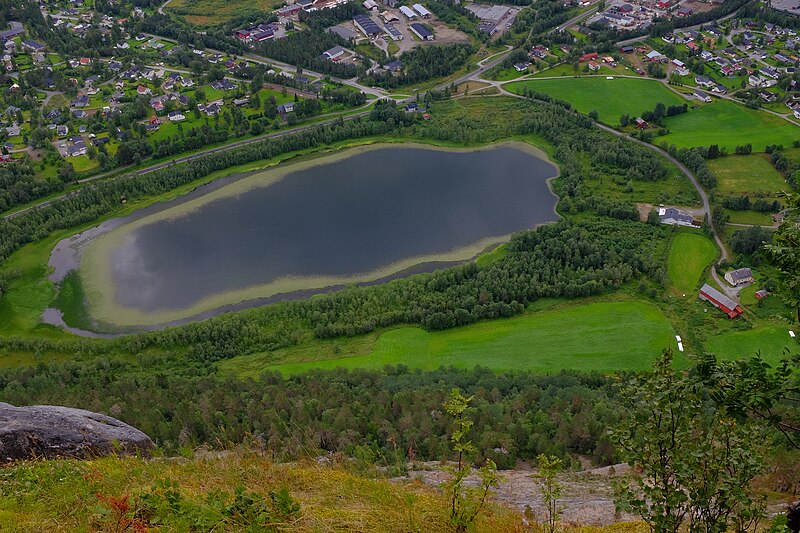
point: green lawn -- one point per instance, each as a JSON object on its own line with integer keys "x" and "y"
{"x": 770, "y": 340}
{"x": 738, "y": 174}
{"x": 728, "y": 125}
{"x": 610, "y": 98}
{"x": 749, "y": 217}
{"x": 604, "y": 337}
{"x": 689, "y": 256}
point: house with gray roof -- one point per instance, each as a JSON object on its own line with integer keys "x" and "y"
{"x": 739, "y": 276}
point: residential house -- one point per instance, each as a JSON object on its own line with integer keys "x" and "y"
{"x": 739, "y": 276}
{"x": 703, "y": 97}
{"x": 32, "y": 46}
{"x": 676, "y": 217}
{"x": 394, "y": 65}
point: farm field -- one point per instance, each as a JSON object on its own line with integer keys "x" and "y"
{"x": 601, "y": 336}
{"x": 769, "y": 340}
{"x": 211, "y": 12}
{"x": 689, "y": 255}
{"x": 610, "y": 98}
{"x": 728, "y": 125}
{"x": 737, "y": 174}
{"x": 749, "y": 217}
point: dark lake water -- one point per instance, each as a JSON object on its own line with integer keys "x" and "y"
{"x": 350, "y": 216}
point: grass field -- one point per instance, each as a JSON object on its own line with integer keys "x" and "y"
{"x": 610, "y": 98}
{"x": 749, "y": 217}
{"x": 737, "y": 174}
{"x": 602, "y": 336}
{"x": 728, "y": 125}
{"x": 770, "y": 340}
{"x": 689, "y": 256}
{"x": 211, "y": 12}
{"x": 68, "y": 496}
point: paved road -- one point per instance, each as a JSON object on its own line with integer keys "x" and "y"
{"x": 575, "y": 20}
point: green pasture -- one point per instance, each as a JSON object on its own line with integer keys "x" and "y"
{"x": 689, "y": 256}
{"x": 610, "y": 98}
{"x": 772, "y": 341}
{"x": 749, "y": 217}
{"x": 729, "y": 125}
{"x": 739, "y": 174}
{"x": 602, "y": 336}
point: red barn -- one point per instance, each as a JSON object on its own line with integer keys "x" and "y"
{"x": 588, "y": 57}
{"x": 719, "y": 300}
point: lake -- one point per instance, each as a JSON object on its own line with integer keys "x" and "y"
{"x": 357, "y": 216}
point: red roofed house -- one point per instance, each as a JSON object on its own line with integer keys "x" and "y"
{"x": 663, "y": 4}
{"x": 593, "y": 66}
{"x": 141, "y": 89}
{"x": 719, "y": 300}
{"x": 693, "y": 46}
{"x": 85, "y": 61}
{"x": 588, "y": 57}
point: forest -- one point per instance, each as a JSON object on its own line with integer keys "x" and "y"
{"x": 390, "y": 415}
{"x": 304, "y": 50}
{"x": 423, "y": 63}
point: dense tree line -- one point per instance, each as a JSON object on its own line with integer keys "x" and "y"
{"x": 424, "y": 63}
{"x": 695, "y": 159}
{"x": 394, "y": 413}
{"x": 766, "y": 13}
{"x": 166, "y": 26}
{"x": 304, "y": 49}
{"x": 325, "y": 18}
{"x": 660, "y": 112}
{"x": 743, "y": 203}
{"x": 749, "y": 240}
{"x": 19, "y": 185}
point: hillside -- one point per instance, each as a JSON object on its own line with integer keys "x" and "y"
{"x": 200, "y": 493}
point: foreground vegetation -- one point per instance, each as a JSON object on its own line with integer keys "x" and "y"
{"x": 236, "y": 491}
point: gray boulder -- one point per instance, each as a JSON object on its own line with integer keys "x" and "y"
{"x": 49, "y": 432}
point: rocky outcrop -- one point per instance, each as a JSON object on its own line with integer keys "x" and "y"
{"x": 49, "y": 432}
{"x": 793, "y": 517}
